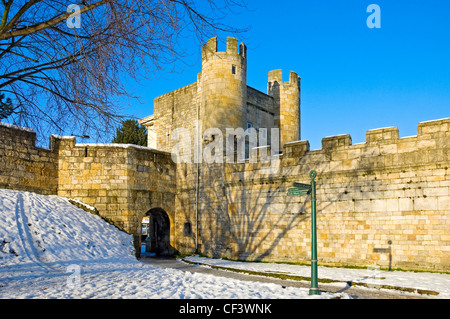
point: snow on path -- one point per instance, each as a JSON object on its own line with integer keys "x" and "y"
{"x": 50, "y": 248}
{"x": 417, "y": 280}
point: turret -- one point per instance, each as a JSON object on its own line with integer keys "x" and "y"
{"x": 287, "y": 105}
{"x": 222, "y": 85}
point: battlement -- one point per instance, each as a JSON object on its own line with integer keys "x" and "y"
{"x": 276, "y": 79}
{"x": 431, "y": 135}
{"x": 386, "y": 135}
{"x": 337, "y": 141}
{"x": 210, "y": 49}
{"x": 23, "y": 165}
{"x": 18, "y": 134}
{"x": 382, "y": 148}
{"x": 434, "y": 128}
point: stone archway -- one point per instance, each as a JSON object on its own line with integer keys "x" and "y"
{"x": 158, "y": 241}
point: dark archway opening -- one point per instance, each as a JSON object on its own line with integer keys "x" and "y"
{"x": 157, "y": 237}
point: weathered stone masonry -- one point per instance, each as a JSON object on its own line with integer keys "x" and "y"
{"x": 385, "y": 201}
{"x": 23, "y": 166}
{"x": 123, "y": 182}
{"x": 221, "y": 99}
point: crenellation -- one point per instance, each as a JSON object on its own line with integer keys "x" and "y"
{"x": 275, "y": 78}
{"x": 210, "y": 48}
{"x": 296, "y": 149}
{"x": 382, "y": 136}
{"x": 332, "y": 143}
{"x": 435, "y": 128}
{"x": 232, "y": 45}
{"x": 294, "y": 80}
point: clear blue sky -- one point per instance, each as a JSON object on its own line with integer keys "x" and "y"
{"x": 353, "y": 78}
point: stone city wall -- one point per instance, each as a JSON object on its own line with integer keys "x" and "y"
{"x": 123, "y": 182}
{"x": 23, "y": 166}
{"x": 177, "y": 109}
{"x": 385, "y": 202}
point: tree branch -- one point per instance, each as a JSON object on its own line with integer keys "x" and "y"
{"x": 11, "y": 46}
{"x": 17, "y": 16}
{"x": 72, "y": 78}
{"x": 7, "y": 5}
{"x": 44, "y": 25}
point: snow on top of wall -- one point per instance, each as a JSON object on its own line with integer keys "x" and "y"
{"x": 62, "y": 137}
{"x": 26, "y": 129}
{"x": 114, "y": 145}
{"x": 442, "y": 119}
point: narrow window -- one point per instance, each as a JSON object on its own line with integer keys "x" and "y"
{"x": 85, "y": 152}
{"x": 233, "y": 69}
{"x": 187, "y": 229}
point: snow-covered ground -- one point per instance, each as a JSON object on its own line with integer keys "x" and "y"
{"x": 50, "y": 248}
{"x": 371, "y": 277}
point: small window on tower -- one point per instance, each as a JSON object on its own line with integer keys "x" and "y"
{"x": 187, "y": 229}
{"x": 233, "y": 69}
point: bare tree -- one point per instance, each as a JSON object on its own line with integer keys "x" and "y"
{"x": 63, "y": 63}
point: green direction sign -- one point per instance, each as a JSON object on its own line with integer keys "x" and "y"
{"x": 300, "y": 189}
{"x": 297, "y": 191}
{"x": 303, "y": 186}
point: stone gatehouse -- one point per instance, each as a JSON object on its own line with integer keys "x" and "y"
{"x": 385, "y": 201}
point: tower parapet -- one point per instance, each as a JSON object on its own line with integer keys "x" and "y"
{"x": 210, "y": 49}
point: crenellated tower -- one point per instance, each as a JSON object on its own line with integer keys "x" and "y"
{"x": 222, "y": 85}
{"x": 287, "y": 105}
{"x": 221, "y": 99}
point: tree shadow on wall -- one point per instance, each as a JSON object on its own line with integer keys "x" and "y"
{"x": 251, "y": 217}
{"x": 247, "y": 214}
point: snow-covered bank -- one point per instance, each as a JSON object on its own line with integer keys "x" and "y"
{"x": 50, "y": 248}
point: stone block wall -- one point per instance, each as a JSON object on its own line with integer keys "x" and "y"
{"x": 123, "y": 182}
{"x": 260, "y": 111}
{"x": 385, "y": 202}
{"x": 177, "y": 109}
{"x": 23, "y": 166}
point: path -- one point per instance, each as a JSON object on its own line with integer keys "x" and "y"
{"x": 355, "y": 292}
